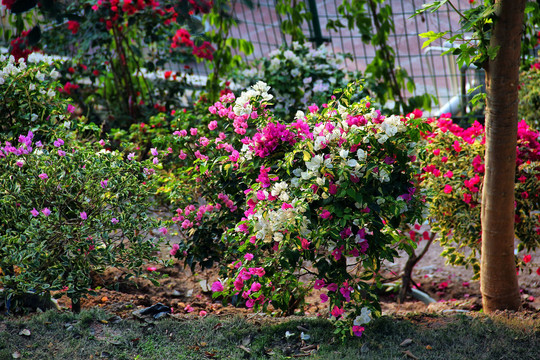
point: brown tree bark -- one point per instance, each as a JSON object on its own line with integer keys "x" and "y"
{"x": 499, "y": 285}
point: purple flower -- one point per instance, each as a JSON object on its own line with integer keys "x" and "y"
{"x": 115, "y": 220}
{"x": 19, "y": 163}
{"x": 155, "y": 161}
{"x": 61, "y": 153}
{"x": 46, "y": 212}
{"x": 39, "y": 144}
{"x": 70, "y": 109}
{"x": 83, "y": 215}
{"x": 58, "y": 143}
{"x": 34, "y": 212}
{"x": 43, "y": 176}
{"x": 154, "y": 151}
{"x": 102, "y": 142}
{"x": 164, "y": 231}
{"x": 103, "y": 183}
{"x": 131, "y": 156}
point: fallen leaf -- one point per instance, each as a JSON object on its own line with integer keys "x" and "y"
{"x": 25, "y": 332}
{"x": 104, "y": 299}
{"x": 409, "y": 354}
{"x": 305, "y": 336}
{"x": 218, "y": 326}
{"x": 16, "y": 355}
{"x": 245, "y": 349}
{"x": 103, "y": 321}
{"x": 428, "y": 347}
{"x": 406, "y": 342}
{"x": 310, "y": 347}
{"x": 209, "y": 354}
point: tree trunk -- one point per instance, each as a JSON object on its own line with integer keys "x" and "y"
{"x": 499, "y": 285}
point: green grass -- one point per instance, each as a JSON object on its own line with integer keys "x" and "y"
{"x": 89, "y": 336}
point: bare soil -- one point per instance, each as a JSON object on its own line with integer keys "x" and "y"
{"x": 181, "y": 290}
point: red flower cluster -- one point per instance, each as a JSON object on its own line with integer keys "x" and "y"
{"x": 182, "y": 38}
{"x": 20, "y": 47}
{"x": 73, "y": 26}
{"x": 8, "y": 3}
{"x": 205, "y": 51}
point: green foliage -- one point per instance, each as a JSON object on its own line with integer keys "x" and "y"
{"x": 67, "y": 211}
{"x": 453, "y": 170}
{"x": 299, "y": 76}
{"x": 529, "y": 96}
{"x": 335, "y": 187}
{"x": 29, "y": 99}
{"x": 384, "y": 80}
{"x": 112, "y": 86}
{"x": 224, "y": 63}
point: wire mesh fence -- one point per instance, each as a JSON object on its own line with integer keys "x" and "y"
{"x": 432, "y": 73}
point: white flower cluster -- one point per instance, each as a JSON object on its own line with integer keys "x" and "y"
{"x": 269, "y": 224}
{"x": 390, "y": 127}
{"x": 242, "y": 105}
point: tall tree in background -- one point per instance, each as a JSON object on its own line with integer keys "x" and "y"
{"x": 496, "y": 28}
{"x": 499, "y": 285}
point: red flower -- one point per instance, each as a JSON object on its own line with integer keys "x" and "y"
{"x": 73, "y": 26}
{"x": 205, "y": 51}
{"x": 167, "y": 74}
{"x": 527, "y": 259}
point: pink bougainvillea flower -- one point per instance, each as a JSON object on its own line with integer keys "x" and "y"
{"x": 84, "y": 216}
{"x": 527, "y": 259}
{"x": 217, "y": 286}
{"x": 104, "y": 183}
{"x": 325, "y": 214}
{"x": 43, "y": 176}
{"x": 447, "y": 189}
{"x": 164, "y": 231}
{"x": 337, "y": 312}
{"x": 189, "y": 308}
{"x": 46, "y": 212}
{"x": 357, "y": 330}
{"x": 212, "y": 125}
{"x": 324, "y": 298}
{"x": 305, "y": 244}
{"x": 151, "y": 268}
{"x": 115, "y": 220}
{"x": 332, "y": 287}
{"x": 255, "y": 287}
{"x": 319, "y": 284}
{"x": 248, "y": 256}
{"x": 34, "y": 212}
{"x": 102, "y": 142}
{"x": 174, "y": 249}
{"x": 61, "y": 153}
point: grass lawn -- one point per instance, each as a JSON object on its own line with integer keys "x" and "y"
{"x": 95, "y": 334}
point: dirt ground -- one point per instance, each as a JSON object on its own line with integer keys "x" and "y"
{"x": 185, "y": 292}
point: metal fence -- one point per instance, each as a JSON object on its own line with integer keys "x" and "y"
{"x": 432, "y": 73}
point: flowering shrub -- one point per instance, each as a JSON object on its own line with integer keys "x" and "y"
{"x": 453, "y": 170}
{"x": 529, "y": 96}
{"x": 112, "y": 46}
{"x": 29, "y": 98}
{"x": 322, "y": 213}
{"x": 299, "y": 75}
{"x": 68, "y": 210}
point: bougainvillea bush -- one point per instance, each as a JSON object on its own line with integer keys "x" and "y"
{"x": 329, "y": 191}
{"x": 68, "y": 209}
{"x": 453, "y": 171}
{"x": 299, "y": 75}
{"x": 529, "y": 95}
